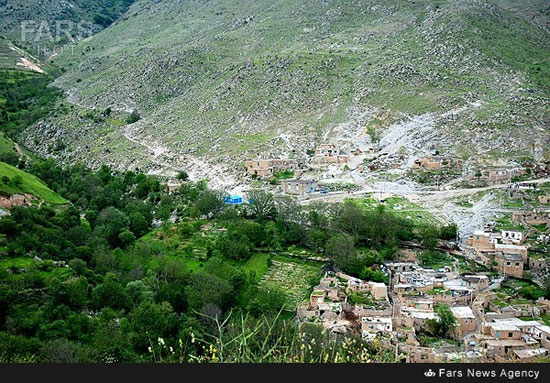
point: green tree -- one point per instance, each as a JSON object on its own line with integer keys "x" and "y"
{"x": 261, "y": 204}
{"x": 443, "y": 324}
{"x": 210, "y": 203}
{"x": 110, "y": 294}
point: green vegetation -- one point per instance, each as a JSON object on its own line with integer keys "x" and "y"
{"x": 444, "y": 324}
{"x": 15, "y": 181}
{"x": 26, "y": 97}
{"x": 102, "y": 255}
{"x": 435, "y": 259}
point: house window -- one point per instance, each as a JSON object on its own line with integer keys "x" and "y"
{"x": 510, "y": 335}
{"x": 508, "y": 263}
{"x": 496, "y": 334}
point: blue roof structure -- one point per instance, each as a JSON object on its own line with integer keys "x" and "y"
{"x": 233, "y": 200}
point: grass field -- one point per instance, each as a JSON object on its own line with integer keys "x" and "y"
{"x": 29, "y": 184}
{"x": 293, "y": 277}
{"x": 25, "y": 268}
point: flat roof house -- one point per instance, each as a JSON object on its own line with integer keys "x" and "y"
{"x": 466, "y": 319}
{"x": 299, "y": 187}
{"x": 509, "y": 264}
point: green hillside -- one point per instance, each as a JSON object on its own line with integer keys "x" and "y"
{"x": 227, "y": 79}
{"x": 21, "y": 182}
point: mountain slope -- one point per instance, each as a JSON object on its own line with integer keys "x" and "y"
{"x": 217, "y": 82}
{"x": 13, "y": 57}
{"x": 28, "y": 184}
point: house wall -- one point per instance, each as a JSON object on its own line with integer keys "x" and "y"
{"x": 513, "y": 268}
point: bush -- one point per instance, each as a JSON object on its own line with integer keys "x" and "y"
{"x": 133, "y": 117}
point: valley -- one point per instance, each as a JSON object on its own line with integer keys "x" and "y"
{"x": 299, "y": 181}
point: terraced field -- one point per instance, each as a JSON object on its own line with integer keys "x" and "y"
{"x": 295, "y": 278}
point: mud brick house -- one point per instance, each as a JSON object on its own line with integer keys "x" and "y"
{"x": 465, "y": 318}
{"x": 268, "y": 168}
{"x": 544, "y": 199}
{"x": 476, "y": 282}
{"x": 437, "y": 162}
{"x": 485, "y": 244}
{"x": 173, "y": 187}
{"x": 370, "y": 326}
{"x": 494, "y": 176}
{"x": 329, "y": 154}
{"x": 7, "y": 202}
{"x": 509, "y": 264}
{"x": 506, "y": 336}
{"x": 534, "y": 217}
{"x": 376, "y": 289}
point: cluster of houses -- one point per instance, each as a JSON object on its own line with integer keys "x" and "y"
{"x": 396, "y": 314}
{"x": 330, "y": 154}
{"x": 325, "y": 154}
{"x": 7, "y": 202}
{"x": 503, "y": 250}
{"x": 494, "y": 176}
{"x": 331, "y": 305}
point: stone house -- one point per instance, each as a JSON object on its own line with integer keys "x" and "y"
{"x": 329, "y": 154}
{"x": 539, "y": 265}
{"x": 299, "y": 187}
{"x": 437, "y": 162}
{"x": 534, "y": 217}
{"x": 268, "y": 168}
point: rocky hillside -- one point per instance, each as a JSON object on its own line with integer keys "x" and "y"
{"x": 13, "y": 57}
{"x": 216, "y": 82}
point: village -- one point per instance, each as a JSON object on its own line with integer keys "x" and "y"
{"x": 484, "y": 286}
{"x": 493, "y": 322}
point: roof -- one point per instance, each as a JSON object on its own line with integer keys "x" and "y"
{"x": 463, "y": 312}
{"x": 543, "y": 328}
{"x": 509, "y": 257}
{"x": 471, "y": 278}
{"x": 529, "y": 353}
{"x": 509, "y": 247}
{"x": 482, "y": 232}
{"x": 414, "y": 313}
{"x": 503, "y": 326}
{"x": 517, "y": 322}
{"x": 377, "y": 319}
{"x": 505, "y": 342}
{"x": 299, "y": 181}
